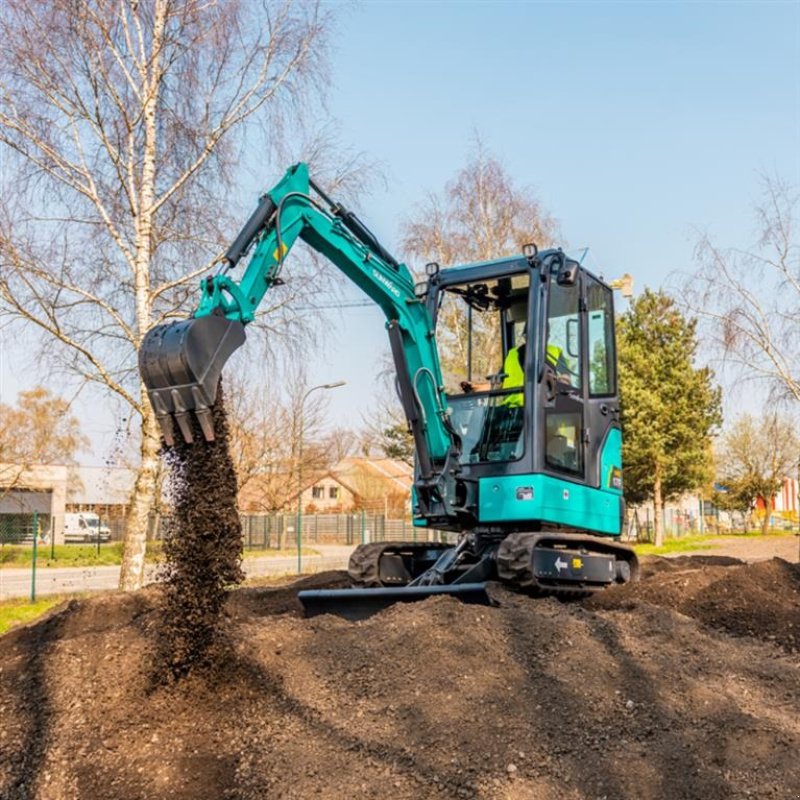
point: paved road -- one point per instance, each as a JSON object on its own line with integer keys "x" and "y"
{"x": 17, "y": 582}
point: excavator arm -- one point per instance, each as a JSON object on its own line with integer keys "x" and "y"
{"x": 181, "y": 362}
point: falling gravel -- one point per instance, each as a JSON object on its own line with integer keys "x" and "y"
{"x": 202, "y": 550}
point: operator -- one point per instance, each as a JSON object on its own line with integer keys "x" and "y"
{"x": 514, "y": 370}
{"x": 513, "y": 375}
{"x": 554, "y": 356}
{"x": 555, "y": 359}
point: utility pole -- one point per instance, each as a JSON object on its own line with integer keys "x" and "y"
{"x": 300, "y": 468}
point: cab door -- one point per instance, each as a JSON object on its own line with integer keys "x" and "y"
{"x": 604, "y": 442}
{"x": 564, "y": 382}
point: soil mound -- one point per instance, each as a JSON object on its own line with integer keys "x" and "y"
{"x": 759, "y": 600}
{"x": 530, "y": 699}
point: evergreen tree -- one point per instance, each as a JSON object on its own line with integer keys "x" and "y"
{"x": 670, "y": 408}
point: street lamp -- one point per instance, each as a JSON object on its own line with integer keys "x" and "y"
{"x": 334, "y": 385}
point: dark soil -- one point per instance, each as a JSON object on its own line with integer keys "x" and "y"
{"x": 202, "y": 550}
{"x": 758, "y": 600}
{"x": 669, "y": 689}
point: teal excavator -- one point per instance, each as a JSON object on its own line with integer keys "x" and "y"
{"x": 506, "y": 372}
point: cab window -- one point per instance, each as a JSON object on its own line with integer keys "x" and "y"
{"x": 600, "y": 309}
{"x": 564, "y": 445}
{"x": 477, "y": 324}
{"x": 563, "y": 350}
{"x": 481, "y": 334}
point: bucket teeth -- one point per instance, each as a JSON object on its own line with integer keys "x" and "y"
{"x": 206, "y": 423}
{"x": 163, "y": 417}
{"x": 185, "y": 425}
{"x": 203, "y": 414}
{"x": 167, "y": 431}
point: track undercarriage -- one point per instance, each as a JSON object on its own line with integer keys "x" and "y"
{"x": 558, "y": 564}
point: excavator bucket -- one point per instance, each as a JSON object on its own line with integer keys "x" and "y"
{"x": 181, "y": 363}
{"x": 356, "y": 604}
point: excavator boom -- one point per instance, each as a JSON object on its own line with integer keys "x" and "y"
{"x": 181, "y": 362}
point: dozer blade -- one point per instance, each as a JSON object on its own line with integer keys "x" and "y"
{"x": 180, "y": 364}
{"x": 356, "y": 604}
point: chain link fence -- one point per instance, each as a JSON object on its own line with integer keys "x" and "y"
{"x": 18, "y": 529}
{"x": 279, "y": 531}
{"x": 259, "y": 531}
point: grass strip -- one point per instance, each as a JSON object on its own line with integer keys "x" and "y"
{"x": 19, "y": 611}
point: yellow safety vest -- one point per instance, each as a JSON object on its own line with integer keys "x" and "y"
{"x": 515, "y": 376}
{"x": 554, "y": 353}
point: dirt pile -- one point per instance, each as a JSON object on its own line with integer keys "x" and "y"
{"x": 531, "y": 699}
{"x": 759, "y": 600}
{"x": 202, "y": 549}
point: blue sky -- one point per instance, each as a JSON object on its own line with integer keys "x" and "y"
{"x": 634, "y": 123}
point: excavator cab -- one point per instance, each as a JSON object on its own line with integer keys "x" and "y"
{"x": 527, "y": 353}
{"x": 528, "y": 361}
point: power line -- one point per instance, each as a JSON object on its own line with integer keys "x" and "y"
{"x": 353, "y": 304}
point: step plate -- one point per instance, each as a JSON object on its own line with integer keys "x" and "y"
{"x": 573, "y": 566}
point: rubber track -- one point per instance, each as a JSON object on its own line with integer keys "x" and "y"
{"x": 364, "y": 565}
{"x": 515, "y": 569}
{"x": 363, "y": 568}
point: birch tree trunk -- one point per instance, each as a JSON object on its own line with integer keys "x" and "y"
{"x": 121, "y": 125}
{"x": 143, "y": 500}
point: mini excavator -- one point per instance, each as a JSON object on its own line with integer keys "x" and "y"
{"x": 506, "y": 372}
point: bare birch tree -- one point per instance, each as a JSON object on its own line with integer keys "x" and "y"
{"x": 481, "y": 215}
{"x": 748, "y": 301}
{"x": 122, "y": 123}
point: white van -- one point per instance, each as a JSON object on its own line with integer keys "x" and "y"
{"x": 85, "y": 527}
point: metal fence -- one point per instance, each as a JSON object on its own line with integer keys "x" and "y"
{"x": 280, "y": 531}
{"x": 640, "y": 523}
{"x": 19, "y": 528}
{"x": 259, "y": 531}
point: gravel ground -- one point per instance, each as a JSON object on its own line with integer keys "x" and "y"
{"x": 755, "y": 548}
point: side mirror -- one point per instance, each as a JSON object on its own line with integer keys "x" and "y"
{"x": 567, "y": 273}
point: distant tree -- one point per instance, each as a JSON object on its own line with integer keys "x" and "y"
{"x": 39, "y": 430}
{"x": 748, "y": 301}
{"x": 755, "y": 456}
{"x": 481, "y": 214}
{"x": 670, "y": 407}
{"x": 736, "y": 496}
{"x": 385, "y": 430}
{"x": 266, "y": 426}
{"x": 397, "y": 442}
